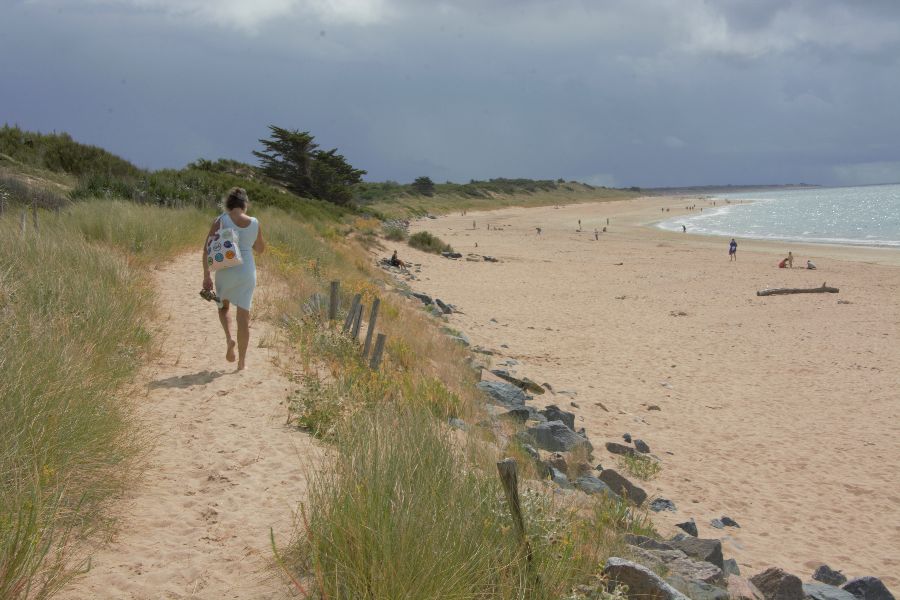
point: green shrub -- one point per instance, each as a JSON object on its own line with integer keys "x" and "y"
{"x": 641, "y": 466}
{"x": 395, "y": 233}
{"x": 428, "y": 243}
{"x": 59, "y": 152}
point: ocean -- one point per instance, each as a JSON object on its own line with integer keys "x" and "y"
{"x": 864, "y": 216}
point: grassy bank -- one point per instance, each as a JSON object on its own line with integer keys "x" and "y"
{"x": 73, "y": 331}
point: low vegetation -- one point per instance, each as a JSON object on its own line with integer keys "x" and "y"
{"x": 641, "y": 466}
{"x": 427, "y": 242}
{"x": 73, "y": 318}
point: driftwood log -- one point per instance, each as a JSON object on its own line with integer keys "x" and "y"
{"x": 779, "y": 291}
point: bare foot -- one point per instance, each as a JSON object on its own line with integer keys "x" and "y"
{"x": 241, "y": 366}
{"x": 229, "y": 355}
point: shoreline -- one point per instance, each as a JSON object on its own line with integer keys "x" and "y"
{"x": 735, "y": 376}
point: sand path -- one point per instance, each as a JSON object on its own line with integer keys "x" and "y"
{"x": 223, "y": 468}
{"x": 780, "y": 412}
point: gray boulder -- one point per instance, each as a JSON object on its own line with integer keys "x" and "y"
{"x": 424, "y": 298}
{"x": 648, "y": 543}
{"x": 661, "y": 504}
{"x": 701, "y": 549}
{"x": 697, "y": 590}
{"x": 823, "y": 591}
{"x": 641, "y": 446}
{"x": 868, "y": 588}
{"x": 776, "y": 584}
{"x": 457, "y": 423}
{"x": 555, "y": 413}
{"x": 556, "y": 437}
{"x": 741, "y": 589}
{"x": 622, "y": 487}
{"x": 827, "y": 575}
{"x": 621, "y": 449}
{"x": 531, "y": 451}
{"x": 559, "y": 478}
{"x": 444, "y": 308}
{"x": 524, "y": 383}
{"x": 730, "y": 566}
{"x": 642, "y": 582}
{"x": 504, "y": 393}
{"x": 688, "y": 526}
{"x": 591, "y": 485}
{"x": 519, "y": 415}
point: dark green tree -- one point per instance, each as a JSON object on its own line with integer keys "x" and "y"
{"x": 293, "y": 159}
{"x": 423, "y": 185}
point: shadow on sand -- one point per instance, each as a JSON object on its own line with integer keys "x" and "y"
{"x": 186, "y": 381}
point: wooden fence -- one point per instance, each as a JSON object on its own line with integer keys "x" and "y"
{"x": 353, "y": 324}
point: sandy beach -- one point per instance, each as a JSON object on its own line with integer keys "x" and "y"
{"x": 780, "y": 412}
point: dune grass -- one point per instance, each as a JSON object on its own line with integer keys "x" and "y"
{"x": 641, "y": 466}
{"x": 73, "y": 331}
{"x": 428, "y": 242}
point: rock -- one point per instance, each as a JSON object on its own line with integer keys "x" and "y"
{"x": 730, "y": 566}
{"x": 729, "y": 522}
{"x": 701, "y": 549}
{"x": 425, "y": 298}
{"x": 654, "y": 407}
{"x": 524, "y": 383}
{"x": 648, "y": 543}
{"x": 826, "y": 574}
{"x": 461, "y": 338}
{"x": 451, "y": 254}
{"x": 741, "y": 589}
{"x": 559, "y": 478}
{"x": 661, "y": 504}
{"x": 519, "y": 415}
{"x": 457, "y": 423}
{"x": 554, "y": 413}
{"x": 623, "y": 487}
{"x": 489, "y": 259}
{"x": 697, "y": 590}
{"x": 444, "y": 308}
{"x": 620, "y": 449}
{"x": 556, "y": 437}
{"x": 868, "y": 588}
{"x": 626, "y": 437}
{"x": 558, "y": 461}
{"x": 591, "y": 485}
{"x": 717, "y": 524}
{"x": 689, "y": 526}
{"x": 642, "y": 582}
{"x": 775, "y": 584}
{"x": 641, "y": 446}
{"x": 823, "y": 591}
{"x": 504, "y": 393}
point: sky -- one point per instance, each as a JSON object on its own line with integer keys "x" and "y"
{"x": 611, "y": 92}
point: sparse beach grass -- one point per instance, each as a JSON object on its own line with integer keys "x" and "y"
{"x": 642, "y": 467}
{"x": 73, "y": 318}
{"x": 427, "y": 242}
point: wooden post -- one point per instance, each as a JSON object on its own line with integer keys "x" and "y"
{"x": 357, "y": 321}
{"x": 373, "y": 317}
{"x": 334, "y": 300}
{"x": 376, "y": 354}
{"x": 351, "y": 314}
{"x": 23, "y": 221}
{"x": 34, "y": 216}
{"x": 510, "y": 480}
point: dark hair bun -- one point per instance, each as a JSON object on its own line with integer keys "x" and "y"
{"x": 236, "y": 198}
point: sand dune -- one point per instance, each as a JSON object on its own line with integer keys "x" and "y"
{"x": 780, "y": 412}
{"x": 223, "y": 469}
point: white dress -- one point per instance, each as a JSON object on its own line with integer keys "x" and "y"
{"x": 236, "y": 284}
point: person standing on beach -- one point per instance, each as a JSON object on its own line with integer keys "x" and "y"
{"x": 683, "y": 228}
{"x": 596, "y": 234}
{"x": 538, "y": 229}
{"x": 790, "y": 260}
{"x": 235, "y": 285}
{"x": 732, "y": 251}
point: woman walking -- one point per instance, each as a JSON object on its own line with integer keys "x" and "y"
{"x": 235, "y": 285}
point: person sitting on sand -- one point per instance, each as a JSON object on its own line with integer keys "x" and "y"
{"x": 810, "y": 264}
{"x": 236, "y": 284}
{"x": 732, "y": 250}
{"x": 538, "y": 229}
{"x": 396, "y": 262}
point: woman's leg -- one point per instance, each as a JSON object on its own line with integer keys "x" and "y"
{"x": 226, "y": 325}
{"x": 243, "y": 335}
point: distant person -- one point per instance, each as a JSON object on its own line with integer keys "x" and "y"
{"x": 579, "y": 224}
{"x": 473, "y": 225}
{"x": 683, "y": 228}
{"x": 235, "y": 284}
{"x": 596, "y": 234}
{"x": 790, "y": 260}
{"x": 810, "y": 265}
{"x": 538, "y": 229}
{"x": 396, "y": 262}
{"x": 783, "y": 263}
{"x": 607, "y": 222}
{"x": 732, "y": 250}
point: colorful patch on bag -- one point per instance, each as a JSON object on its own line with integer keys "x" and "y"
{"x": 209, "y": 260}
{"x": 217, "y": 246}
{"x": 229, "y": 255}
{"x": 219, "y": 258}
{"x": 228, "y": 244}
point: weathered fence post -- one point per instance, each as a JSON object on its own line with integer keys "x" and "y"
{"x": 379, "y": 350}
{"x": 373, "y": 316}
{"x": 351, "y": 314}
{"x": 334, "y": 300}
{"x": 510, "y": 480}
{"x": 357, "y": 321}
{"x": 23, "y": 221}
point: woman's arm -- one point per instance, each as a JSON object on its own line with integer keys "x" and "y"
{"x": 207, "y": 279}
{"x": 259, "y": 246}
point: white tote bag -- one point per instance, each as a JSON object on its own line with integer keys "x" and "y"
{"x": 222, "y": 250}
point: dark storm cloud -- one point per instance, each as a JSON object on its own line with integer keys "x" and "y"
{"x": 659, "y": 92}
